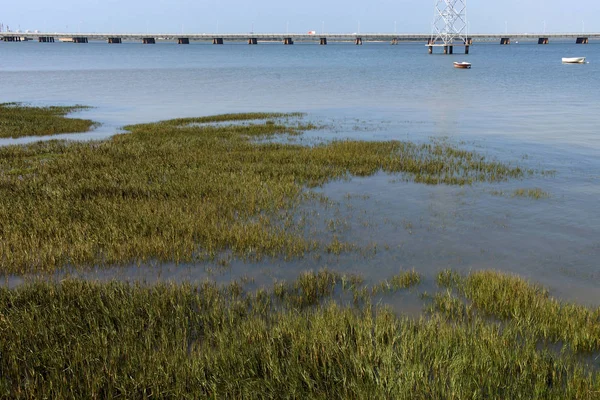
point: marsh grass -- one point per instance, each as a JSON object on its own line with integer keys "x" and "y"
{"x": 528, "y": 307}
{"x": 448, "y": 278}
{"x": 309, "y": 289}
{"x": 17, "y": 120}
{"x": 402, "y": 280}
{"x": 78, "y": 339}
{"x": 190, "y": 189}
{"x": 451, "y": 307}
{"x": 531, "y": 307}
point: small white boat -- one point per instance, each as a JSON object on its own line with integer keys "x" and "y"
{"x": 573, "y": 60}
{"x": 464, "y": 65}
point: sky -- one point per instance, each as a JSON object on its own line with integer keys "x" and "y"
{"x": 271, "y": 16}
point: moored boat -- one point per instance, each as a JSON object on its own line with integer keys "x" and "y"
{"x": 573, "y": 60}
{"x": 463, "y": 64}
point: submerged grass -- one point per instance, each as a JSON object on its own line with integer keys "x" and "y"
{"x": 189, "y": 189}
{"x": 17, "y": 120}
{"x": 77, "y": 339}
{"x": 535, "y": 193}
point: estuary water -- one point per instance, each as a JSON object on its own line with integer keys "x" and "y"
{"x": 518, "y": 104}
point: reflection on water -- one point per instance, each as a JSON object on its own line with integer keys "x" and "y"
{"x": 519, "y": 104}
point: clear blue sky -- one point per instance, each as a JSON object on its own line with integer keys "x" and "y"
{"x": 234, "y": 16}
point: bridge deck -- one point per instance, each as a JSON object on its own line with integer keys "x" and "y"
{"x": 373, "y": 37}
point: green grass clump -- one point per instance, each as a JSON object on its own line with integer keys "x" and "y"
{"x": 17, "y": 120}
{"x": 448, "y": 278}
{"x": 403, "y": 280}
{"x": 190, "y": 189}
{"x": 450, "y": 306}
{"x": 77, "y": 339}
{"x": 309, "y": 289}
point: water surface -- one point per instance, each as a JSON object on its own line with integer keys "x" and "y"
{"x": 518, "y": 104}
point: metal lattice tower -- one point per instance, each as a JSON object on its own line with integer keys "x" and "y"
{"x": 449, "y": 23}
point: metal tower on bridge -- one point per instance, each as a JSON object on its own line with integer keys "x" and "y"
{"x": 449, "y": 27}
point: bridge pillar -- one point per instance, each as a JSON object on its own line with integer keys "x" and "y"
{"x": 253, "y": 41}
{"x": 466, "y": 49}
{"x": 358, "y": 41}
{"x": 80, "y": 39}
{"x": 288, "y": 41}
{"x": 430, "y": 43}
{"x": 183, "y": 40}
{"x": 582, "y": 40}
{"x": 451, "y": 49}
{"x": 46, "y": 39}
{"x": 543, "y": 40}
{"x": 394, "y": 41}
{"x": 469, "y": 41}
{"x": 323, "y": 41}
{"x": 505, "y": 41}
{"x": 115, "y": 40}
{"x": 148, "y": 40}
{"x": 218, "y": 40}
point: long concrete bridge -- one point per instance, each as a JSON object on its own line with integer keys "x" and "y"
{"x": 287, "y": 38}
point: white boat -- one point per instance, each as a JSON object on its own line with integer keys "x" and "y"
{"x": 463, "y": 64}
{"x": 573, "y": 60}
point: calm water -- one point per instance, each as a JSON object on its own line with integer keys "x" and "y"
{"x": 518, "y": 104}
